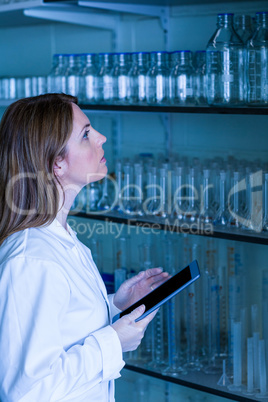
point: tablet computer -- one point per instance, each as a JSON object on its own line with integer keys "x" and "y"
{"x": 166, "y": 291}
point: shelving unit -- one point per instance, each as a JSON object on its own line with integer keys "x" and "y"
{"x": 104, "y": 15}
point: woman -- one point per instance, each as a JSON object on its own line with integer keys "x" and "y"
{"x": 57, "y": 340}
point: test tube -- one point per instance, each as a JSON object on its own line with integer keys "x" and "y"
{"x": 262, "y": 370}
{"x": 237, "y": 358}
{"x": 213, "y": 326}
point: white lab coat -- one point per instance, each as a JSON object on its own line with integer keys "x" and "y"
{"x": 56, "y": 343}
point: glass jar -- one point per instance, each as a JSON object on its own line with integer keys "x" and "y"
{"x": 56, "y": 79}
{"x": 225, "y": 65}
{"x": 87, "y": 80}
{"x": 257, "y": 65}
{"x": 72, "y": 73}
{"x": 243, "y": 27}
{"x": 120, "y": 78}
{"x": 157, "y": 79}
{"x": 137, "y": 77}
{"x": 200, "y": 78}
{"x": 104, "y": 79}
{"x": 182, "y": 79}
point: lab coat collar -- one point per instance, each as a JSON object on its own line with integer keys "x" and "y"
{"x": 57, "y": 230}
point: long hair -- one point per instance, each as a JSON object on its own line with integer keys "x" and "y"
{"x": 33, "y": 133}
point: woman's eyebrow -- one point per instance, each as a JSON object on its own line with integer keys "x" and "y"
{"x": 85, "y": 126}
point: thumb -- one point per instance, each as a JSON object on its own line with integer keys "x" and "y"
{"x": 136, "y": 313}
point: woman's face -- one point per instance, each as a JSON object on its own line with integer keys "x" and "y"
{"x": 84, "y": 161}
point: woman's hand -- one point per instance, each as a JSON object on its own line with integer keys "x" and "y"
{"x": 130, "y": 333}
{"x": 135, "y": 288}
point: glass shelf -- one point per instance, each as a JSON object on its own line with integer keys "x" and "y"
{"x": 196, "y": 380}
{"x": 172, "y": 226}
{"x": 246, "y": 110}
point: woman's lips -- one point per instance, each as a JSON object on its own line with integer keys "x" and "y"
{"x": 103, "y": 160}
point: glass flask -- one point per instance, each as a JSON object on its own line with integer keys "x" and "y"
{"x": 179, "y": 201}
{"x": 127, "y": 203}
{"x": 120, "y": 78}
{"x": 243, "y": 27}
{"x": 74, "y": 66}
{"x": 200, "y": 78}
{"x": 222, "y": 215}
{"x": 56, "y": 80}
{"x": 234, "y": 203}
{"x": 206, "y": 213}
{"x": 192, "y": 212}
{"x": 257, "y": 65}
{"x": 137, "y": 77}
{"x": 87, "y": 80}
{"x": 103, "y": 88}
{"x": 182, "y": 79}
{"x": 93, "y": 196}
{"x": 105, "y": 203}
{"x": 157, "y": 79}
{"x": 225, "y": 65}
{"x": 152, "y": 205}
{"x": 164, "y": 193}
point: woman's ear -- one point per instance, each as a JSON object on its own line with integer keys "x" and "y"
{"x": 59, "y": 167}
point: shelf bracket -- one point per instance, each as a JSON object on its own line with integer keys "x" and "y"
{"x": 161, "y": 12}
{"x": 73, "y": 15}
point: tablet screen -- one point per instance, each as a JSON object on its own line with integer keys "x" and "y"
{"x": 167, "y": 290}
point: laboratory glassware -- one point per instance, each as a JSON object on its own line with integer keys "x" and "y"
{"x": 164, "y": 187}
{"x": 257, "y": 66}
{"x": 137, "y": 78}
{"x": 182, "y": 79}
{"x": 179, "y": 201}
{"x": 103, "y": 89}
{"x": 222, "y": 215}
{"x": 225, "y": 64}
{"x": 121, "y": 259}
{"x": 192, "y": 212}
{"x": 206, "y": 212}
{"x": 120, "y": 78}
{"x": 157, "y": 79}
{"x": 105, "y": 203}
{"x": 93, "y": 196}
{"x": 243, "y": 27}
{"x": 234, "y": 203}
{"x": 152, "y": 204}
{"x": 138, "y": 190}
{"x": 127, "y": 203}
{"x": 56, "y": 79}
{"x": 87, "y": 79}
{"x": 72, "y": 73}
{"x": 200, "y": 78}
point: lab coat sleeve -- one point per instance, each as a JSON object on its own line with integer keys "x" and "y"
{"x": 32, "y": 303}
{"x": 114, "y": 310}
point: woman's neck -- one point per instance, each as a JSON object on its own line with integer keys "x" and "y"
{"x": 65, "y": 203}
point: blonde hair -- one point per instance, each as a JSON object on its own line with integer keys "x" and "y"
{"x": 33, "y": 133}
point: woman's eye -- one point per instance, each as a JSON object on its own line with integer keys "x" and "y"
{"x": 86, "y": 134}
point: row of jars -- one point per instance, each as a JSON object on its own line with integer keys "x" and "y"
{"x": 232, "y": 71}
